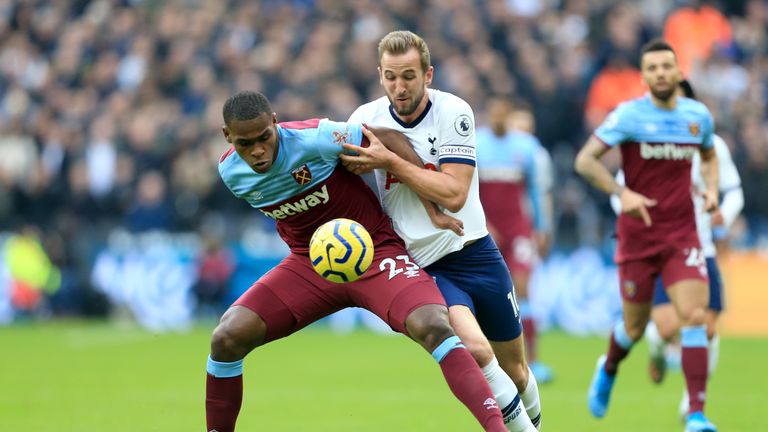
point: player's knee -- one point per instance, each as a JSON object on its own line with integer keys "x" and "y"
{"x": 480, "y": 349}
{"x": 519, "y": 374}
{"x": 224, "y": 344}
{"x": 235, "y": 336}
{"x": 694, "y": 317}
{"x": 429, "y": 326}
{"x": 666, "y": 330}
{"x": 635, "y": 332}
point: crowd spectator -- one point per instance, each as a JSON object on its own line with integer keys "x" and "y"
{"x": 695, "y": 31}
{"x": 110, "y": 109}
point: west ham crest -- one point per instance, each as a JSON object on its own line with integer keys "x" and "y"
{"x": 302, "y": 174}
{"x": 340, "y": 138}
{"x": 694, "y": 128}
{"x": 630, "y": 289}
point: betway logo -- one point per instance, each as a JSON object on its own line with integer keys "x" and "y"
{"x": 302, "y": 205}
{"x": 667, "y": 151}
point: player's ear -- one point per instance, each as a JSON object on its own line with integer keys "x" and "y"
{"x": 225, "y": 131}
{"x": 428, "y": 75}
{"x": 274, "y": 118}
{"x": 381, "y": 78}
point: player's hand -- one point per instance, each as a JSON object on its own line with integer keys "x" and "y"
{"x": 710, "y": 201}
{"x": 354, "y": 167}
{"x": 542, "y": 243}
{"x": 375, "y": 156}
{"x": 717, "y": 219}
{"x": 636, "y": 205}
{"x": 444, "y": 221}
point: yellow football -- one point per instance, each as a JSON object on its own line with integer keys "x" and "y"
{"x": 341, "y": 250}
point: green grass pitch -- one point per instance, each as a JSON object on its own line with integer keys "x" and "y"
{"x": 76, "y": 376}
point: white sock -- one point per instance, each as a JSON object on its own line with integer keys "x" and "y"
{"x": 531, "y": 400}
{"x": 684, "y": 404}
{"x": 714, "y": 353}
{"x": 504, "y": 390}
{"x": 655, "y": 343}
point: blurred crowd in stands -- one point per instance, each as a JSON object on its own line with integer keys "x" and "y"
{"x": 110, "y": 110}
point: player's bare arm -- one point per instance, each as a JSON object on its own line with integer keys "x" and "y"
{"x": 397, "y": 147}
{"x": 588, "y": 165}
{"x": 543, "y": 242}
{"x": 711, "y": 173}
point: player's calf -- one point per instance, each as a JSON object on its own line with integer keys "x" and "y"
{"x": 238, "y": 332}
{"x": 512, "y": 408}
{"x": 223, "y": 394}
{"x": 428, "y": 325}
{"x": 657, "y": 366}
{"x": 468, "y": 384}
{"x": 530, "y": 397}
{"x": 695, "y": 364}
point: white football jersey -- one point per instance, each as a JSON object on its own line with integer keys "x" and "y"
{"x": 444, "y": 133}
{"x": 729, "y": 181}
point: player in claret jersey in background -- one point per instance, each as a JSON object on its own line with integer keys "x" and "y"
{"x": 664, "y": 325}
{"x": 468, "y": 268}
{"x": 514, "y": 183}
{"x": 291, "y": 173}
{"x": 658, "y": 134}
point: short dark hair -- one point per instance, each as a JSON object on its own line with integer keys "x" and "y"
{"x": 245, "y": 105}
{"x": 657, "y": 44}
{"x": 688, "y": 92}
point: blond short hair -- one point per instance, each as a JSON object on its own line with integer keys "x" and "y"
{"x": 400, "y": 42}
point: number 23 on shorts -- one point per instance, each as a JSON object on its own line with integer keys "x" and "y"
{"x": 400, "y": 264}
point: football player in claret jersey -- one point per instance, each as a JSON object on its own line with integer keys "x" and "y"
{"x": 658, "y": 134}
{"x": 513, "y": 189}
{"x": 291, "y": 173}
{"x": 468, "y": 268}
{"x": 664, "y": 325}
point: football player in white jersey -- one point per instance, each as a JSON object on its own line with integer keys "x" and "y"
{"x": 468, "y": 268}
{"x": 665, "y": 325}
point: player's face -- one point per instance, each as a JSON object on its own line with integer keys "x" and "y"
{"x": 661, "y": 73}
{"x": 498, "y": 116}
{"x": 254, "y": 140}
{"x": 405, "y": 83}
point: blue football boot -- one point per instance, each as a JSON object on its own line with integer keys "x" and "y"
{"x": 600, "y": 389}
{"x": 542, "y": 372}
{"x": 698, "y": 423}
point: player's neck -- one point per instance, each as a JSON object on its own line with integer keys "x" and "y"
{"x": 277, "y": 148}
{"x": 668, "y": 104}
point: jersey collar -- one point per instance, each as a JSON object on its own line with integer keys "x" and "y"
{"x": 414, "y": 123}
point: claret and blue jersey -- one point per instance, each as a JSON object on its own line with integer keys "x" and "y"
{"x": 657, "y": 147}
{"x": 508, "y": 185}
{"x": 306, "y": 184}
